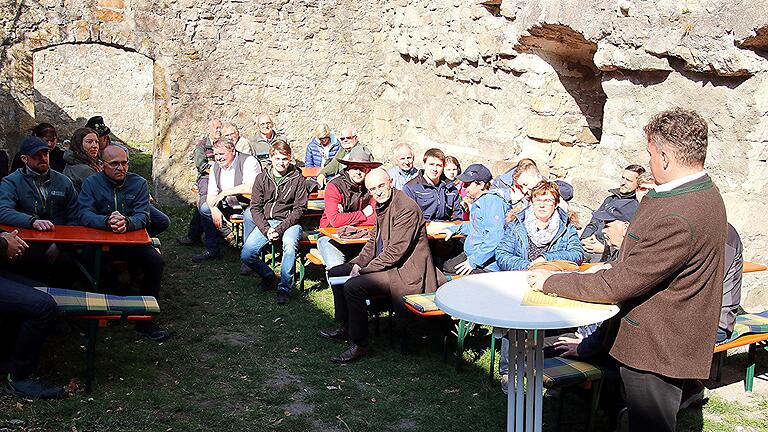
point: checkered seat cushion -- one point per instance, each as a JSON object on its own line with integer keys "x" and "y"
{"x": 71, "y": 302}
{"x": 749, "y": 324}
{"x": 562, "y": 372}
{"x": 422, "y": 302}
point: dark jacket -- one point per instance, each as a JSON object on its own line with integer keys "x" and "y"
{"x": 76, "y": 170}
{"x": 512, "y": 252}
{"x": 403, "y": 249}
{"x": 668, "y": 282}
{"x": 596, "y": 226}
{"x": 22, "y": 202}
{"x": 100, "y": 196}
{"x": 438, "y": 203}
{"x": 285, "y": 203}
{"x": 203, "y": 156}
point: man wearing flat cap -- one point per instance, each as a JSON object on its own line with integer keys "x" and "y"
{"x": 347, "y": 203}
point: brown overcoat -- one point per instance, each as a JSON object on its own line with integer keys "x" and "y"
{"x": 401, "y": 232}
{"x": 668, "y": 282}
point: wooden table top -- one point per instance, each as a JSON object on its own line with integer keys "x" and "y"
{"x": 331, "y": 232}
{"x": 82, "y": 235}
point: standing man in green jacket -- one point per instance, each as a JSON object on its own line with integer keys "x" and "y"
{"x": 668, "y": 280}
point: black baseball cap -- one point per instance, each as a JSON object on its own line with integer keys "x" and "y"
{"x": 622, "y": 210}
{"x": 31, "y": 145}
{"x": 97, "y": 123}
{"x": 475, "y": 173}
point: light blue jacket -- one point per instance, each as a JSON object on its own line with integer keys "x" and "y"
{"x": 484, "y": 230}
{"x": 100, "y": 196}
{"x": 314, "y": 155}
{"x": 512, "y": 253}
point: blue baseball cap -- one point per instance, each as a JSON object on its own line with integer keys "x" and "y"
{"x": 31, "y": 145}
{"x": 622, "y": 210}
{"x": 475, "y": 173}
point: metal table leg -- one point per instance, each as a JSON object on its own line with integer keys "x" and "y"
{"x": 526, "y": 361}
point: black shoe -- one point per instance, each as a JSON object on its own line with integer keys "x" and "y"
{"x": 269, "y": 284}
{"x": 282, "y": 297}
{"x": 351, "y": 354}
{"x": 245, "y": 270}
{"x": 152, "y": 331}
{"x": 186, "y": 241}
{"x": 29, "y": 388}
{"x": 335, "y": 334}
{"x": 205, "y": 256}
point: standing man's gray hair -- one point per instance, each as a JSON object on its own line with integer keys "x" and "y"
{"x": 681, "y": 132}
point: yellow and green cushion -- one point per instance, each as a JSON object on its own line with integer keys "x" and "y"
{"x": 71, "y": 302}
{"x": 563, "y": 372}
{"x": 422, "y": 302}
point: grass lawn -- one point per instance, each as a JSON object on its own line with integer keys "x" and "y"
{"x": 239, "y": 362}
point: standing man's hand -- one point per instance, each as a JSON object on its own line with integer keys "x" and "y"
{"x": 42, "y": 225}
{"x": 536, "y": 279}
{"x": 16, "y": 246}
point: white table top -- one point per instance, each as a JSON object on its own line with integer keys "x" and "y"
{"x": 494, "y": 299}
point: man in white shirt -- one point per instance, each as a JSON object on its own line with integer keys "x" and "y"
{"x": 232, "y": 175}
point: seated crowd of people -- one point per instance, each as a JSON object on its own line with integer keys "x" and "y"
{"x": 513, "y": 221}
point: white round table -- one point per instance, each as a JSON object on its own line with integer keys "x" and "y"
{"x": 495, "y": 299}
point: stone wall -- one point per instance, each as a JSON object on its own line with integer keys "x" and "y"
{"x": 76, "y": 81}
{"x": 567, "y": 82}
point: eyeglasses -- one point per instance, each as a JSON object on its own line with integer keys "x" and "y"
{"x": 347, "y": 138}
{"x": 115, "y": 164}
{"x": 548, "y": 201}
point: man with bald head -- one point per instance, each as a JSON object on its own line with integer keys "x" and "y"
{"x": 403, "y": 171}
{"x": 394, "y": 262}
{"x": 349, "y": 141}
{"x": 262, "y": 142}
{"x": 117, "y": 200}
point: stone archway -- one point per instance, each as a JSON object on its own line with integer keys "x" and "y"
{"x": 72, "y": 82}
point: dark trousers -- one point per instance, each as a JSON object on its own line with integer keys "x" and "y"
{"x": 158, "y": 222}
{"x": 195, "y": 229}
{"x": 349, "y": 300}
{"x": 145, "y": 258}
{"x": 652, "y": 400}
{"x": 449, "y": 266}
{"x": 34, "y": 312}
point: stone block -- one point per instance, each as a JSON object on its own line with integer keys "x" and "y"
{"x": 543, "y": 128}
{"x": 106, "y": 15}
{"x": 566, "y": 157}
{"x": 110, "y": 4}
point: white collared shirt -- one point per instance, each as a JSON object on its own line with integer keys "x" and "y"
{"x": 668, "y": 186}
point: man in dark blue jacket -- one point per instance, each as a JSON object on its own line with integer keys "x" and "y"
{"x": 118, "y": 201}
{"x": 438, "y": 199}
{"x": 37, "y": 197}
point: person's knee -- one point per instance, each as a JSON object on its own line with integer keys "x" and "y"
{"x": 205, "y": 211}
{"x": 47, "y": 310}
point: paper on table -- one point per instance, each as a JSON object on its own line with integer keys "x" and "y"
{"x": 437, "y": 227}
{"x": 538, "y": 298}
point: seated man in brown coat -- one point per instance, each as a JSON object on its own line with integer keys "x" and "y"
{"x": 394, "y": 262}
